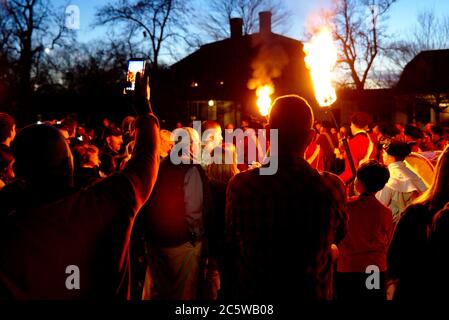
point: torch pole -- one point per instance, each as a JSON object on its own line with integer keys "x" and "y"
{"x": 345, "y": 146}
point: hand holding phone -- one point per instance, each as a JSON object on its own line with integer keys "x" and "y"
{"x": 134, "y": 66}
{"x": 142, "y": 94}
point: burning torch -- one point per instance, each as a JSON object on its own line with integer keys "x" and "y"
{"x": 320, "y": 59}
{"x": 263, "y": 94}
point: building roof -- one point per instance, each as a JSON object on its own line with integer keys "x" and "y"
{"x": 427, "y": 73}
{"x": 222, "y": 70}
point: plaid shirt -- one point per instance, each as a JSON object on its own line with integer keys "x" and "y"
{"x": 279, "y": 231}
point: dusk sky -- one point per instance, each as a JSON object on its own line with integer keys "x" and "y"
{"x": 402, "y": 16}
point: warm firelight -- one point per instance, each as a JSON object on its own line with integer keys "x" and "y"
{"x": 321, "y": 57}
{"x": 264, "y": 99}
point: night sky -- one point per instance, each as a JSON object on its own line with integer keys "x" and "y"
{"x": 402, "y": 16}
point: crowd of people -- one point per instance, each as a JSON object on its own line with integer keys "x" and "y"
{"x": 136, "y": 225}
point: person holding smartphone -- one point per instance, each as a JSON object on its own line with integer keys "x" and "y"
{"x": 59, "y": 243}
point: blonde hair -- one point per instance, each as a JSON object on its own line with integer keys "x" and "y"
{"x": 83, "y": 153}
{"x": 438, "y": 194}
{"x": 223, "y": 172}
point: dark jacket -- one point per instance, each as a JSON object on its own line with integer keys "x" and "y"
{"x": 279, "y": 231}
{"x": 408, "y": 254}
{"x": 85, "y": 177}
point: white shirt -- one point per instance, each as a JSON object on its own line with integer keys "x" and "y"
{"x": 400, "y": 189}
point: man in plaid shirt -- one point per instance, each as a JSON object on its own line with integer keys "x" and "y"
{"x": 280, "y": 228}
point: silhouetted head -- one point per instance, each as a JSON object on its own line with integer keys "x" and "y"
{"x": 292, "y": 116}
{"x": 371, "y": 177}
{"x": 114, "y": 138}
{"x": 43, "y": 157}
{"x": 7, "y": 128}
{"x": 212, "y": 135}
{"x": 360, "y": 121}
{"x": 396, "y": 151}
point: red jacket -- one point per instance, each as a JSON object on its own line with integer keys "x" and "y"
{"x": 358, "y": 146}
{"x": 369, "y": 232}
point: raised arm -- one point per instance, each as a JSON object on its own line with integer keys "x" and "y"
{"x": 143, "y": 166}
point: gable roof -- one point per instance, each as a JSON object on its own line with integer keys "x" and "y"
{"x": 428, "y": 72}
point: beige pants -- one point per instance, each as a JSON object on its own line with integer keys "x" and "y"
{"x": 173, "y": 273}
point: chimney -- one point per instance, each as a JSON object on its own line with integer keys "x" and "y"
{"x": 236, "y": 27}
{"x": 265, "y": 22}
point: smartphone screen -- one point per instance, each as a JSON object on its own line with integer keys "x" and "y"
{"x": 134, "y": 66}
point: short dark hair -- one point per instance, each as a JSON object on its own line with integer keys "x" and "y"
{"x": 361, "y": 119}
{"x": 113, "y": 131}
{"x": 293, "y": 117}
{"x": 413, "y": 132}
{"x": 374, "y": 175}
{"x": 398, "y": 149}
{"x": 437, "y": 130}
{"x": 6, "y": 124}
{"x": 387, "y": 129}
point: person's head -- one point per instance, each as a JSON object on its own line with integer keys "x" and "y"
{"x": 395, "y": 151}
{"x": 212, "y": 134}
{"x": 437, "y": 133}
{"x": 106, "y": 123}
{"x": 246, "y": 121}
{"x": 343, "y": 132}
{"x": 114, "y": 138}
{"x": 438, "y": 193}
{"x": 64, "y": 131}
{"x": 223, "y": 172}
{"x": 166, "y": 142}
{"x": 386, "y": 130}
{"x": 292, "y": 116}
{"x": 7, "y": 129}
{"x": 399, "y": 127}
{"x": 188, "y": 142}
{"x": 360, "y": 121}
{"x": 428, "y": 127}
{"x": 71, "y": 125}
{"x": 446, "y": 133}
{"x": 229, "y": 126}
{"x": 43, "y": 157}
{"x": 371, "y": 177}
{"x": 412, "y": 133}
{"x": 86, "y": 156}
{"x": 6, "y": 165}
{"x": 333, "y": 130}
{"x": 128, "y": 125}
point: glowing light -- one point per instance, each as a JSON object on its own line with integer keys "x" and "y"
{"x": 264, "y": 99}
{"x": 211, "y": 103}
{"x": 321, "y": 57}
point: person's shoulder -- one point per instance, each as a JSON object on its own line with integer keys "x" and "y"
{"x": 244, "y": 178}
{"x": 334, "y": 184}
{"x": 442, "y": 217}
{"x": 415, "y": 212}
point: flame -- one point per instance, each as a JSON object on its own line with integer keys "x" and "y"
{"x": 264, "y": 98}
{"x": 321, "y": 57}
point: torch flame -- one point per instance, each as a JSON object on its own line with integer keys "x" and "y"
{"x": 264, "y": 98}
{"x": 321, "y": 57}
